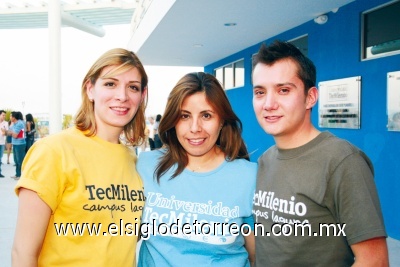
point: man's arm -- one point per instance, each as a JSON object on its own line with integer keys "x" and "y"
{"x": 14, "y": 133}
{"x": 371, "y": 252}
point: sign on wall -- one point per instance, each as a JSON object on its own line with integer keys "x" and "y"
{"x": 393, "y": 101}
{"x": 339, "y": 103}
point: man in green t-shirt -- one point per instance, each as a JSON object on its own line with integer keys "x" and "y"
{"x": 316, "y": 202}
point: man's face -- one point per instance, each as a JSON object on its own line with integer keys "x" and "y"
{"x": 279, "y": 101}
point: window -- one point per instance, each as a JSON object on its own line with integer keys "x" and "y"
{"x": 301, "y": 43}
{"x": 380, "y": 31}
{"x": 231, "y": 75}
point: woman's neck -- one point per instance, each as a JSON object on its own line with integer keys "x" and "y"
{"x": 206, "y": 162}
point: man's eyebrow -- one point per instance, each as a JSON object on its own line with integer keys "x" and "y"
{"x": 286, "y": 84}
{"x": 276, "y": 85}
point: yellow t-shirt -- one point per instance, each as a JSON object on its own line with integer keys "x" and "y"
{"x": 86, "y": 180}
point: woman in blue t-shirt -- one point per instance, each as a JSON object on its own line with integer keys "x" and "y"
{"x": 199, "y": 187}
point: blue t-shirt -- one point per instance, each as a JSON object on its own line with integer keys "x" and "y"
{"x": 17, "y": 127}
{"x": 212, "y": 201}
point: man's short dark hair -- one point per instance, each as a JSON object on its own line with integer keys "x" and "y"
{"x": 279, "y": 50}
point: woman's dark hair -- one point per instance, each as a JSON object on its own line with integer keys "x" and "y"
{"x": 29, "y": 117}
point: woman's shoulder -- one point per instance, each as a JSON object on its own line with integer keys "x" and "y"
{"x": 153, "y": 155}
{"x": 244, "y": 164}
{"x": 64, "y": 137}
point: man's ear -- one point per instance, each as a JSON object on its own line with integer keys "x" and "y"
{"x": 312, "y": 97}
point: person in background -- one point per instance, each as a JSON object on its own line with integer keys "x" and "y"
{"x": 205, "y": 168}
{"x": 151, "y": 133}
{"x": 30, "y": 131}
{"x": 8, "y": 143}
{"x": 309, "y": 178}
{"x": 145, "y": 141}
{"x": 17, "y": 132}
{"x": 3, "y": 134}
{"x": 157, "y": 140}
{"x": 84, "y": 175}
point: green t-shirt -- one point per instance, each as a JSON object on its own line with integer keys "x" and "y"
{"x": 326, "y": 184}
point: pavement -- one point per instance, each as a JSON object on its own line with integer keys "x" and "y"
{"x": 9, "y": 208}
{"x": 8, "y": 211}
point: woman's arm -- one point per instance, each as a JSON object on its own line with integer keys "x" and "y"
{"x": 250, "y": 245}
{"x": 28, "y": 126}
{"x": 33, "y": 218}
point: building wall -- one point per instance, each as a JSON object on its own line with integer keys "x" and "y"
{"x": 335, "y": 49}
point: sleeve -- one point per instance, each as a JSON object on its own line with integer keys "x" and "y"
{"x": 252, "y": 174}
{"x": 249, "y": 221}
{"x": 42, "y": 173}
{"x": 18, "y": 127}
{"x": 355, "y": 199}
{"x": 4, "y": 126}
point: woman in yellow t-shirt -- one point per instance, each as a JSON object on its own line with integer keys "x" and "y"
{"x": 80, "y": 197}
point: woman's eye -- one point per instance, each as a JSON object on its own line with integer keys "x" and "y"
{"x": 184, "y": 116}
{"x": 109, "y": 84}
{"x": 134, "y": 87}
{"x": 207, "y": 116}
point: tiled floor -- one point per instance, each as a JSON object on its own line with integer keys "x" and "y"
{"x": 8, "y": 217}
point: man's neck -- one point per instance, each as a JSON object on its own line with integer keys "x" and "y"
{"x": 296, "y": 140}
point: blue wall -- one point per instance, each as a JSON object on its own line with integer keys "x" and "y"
{"x": 335, "y": 49}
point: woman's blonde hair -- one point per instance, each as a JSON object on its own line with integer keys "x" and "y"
{"x": 230, "y": 139}
{"x": 123, "y": 60}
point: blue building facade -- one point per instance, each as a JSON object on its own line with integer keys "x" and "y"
{"x": 335, "y": 49}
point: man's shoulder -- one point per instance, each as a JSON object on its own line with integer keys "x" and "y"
{"x": 268, "y": 153}
{"x": 19, "y": 124}
{"x": 332, "y": 144}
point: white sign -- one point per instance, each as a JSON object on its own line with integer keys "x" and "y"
{"x": 393, "y": 101}
{"x": 339, "y": 103}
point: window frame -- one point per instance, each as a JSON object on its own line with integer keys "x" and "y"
{"x": 234, "y": 74}
{"x": 363, "y": 49}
